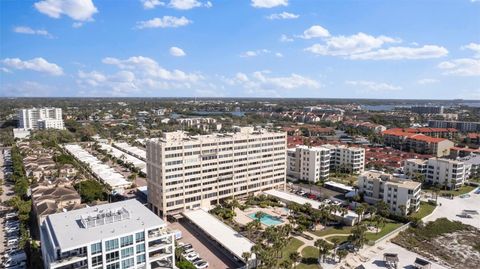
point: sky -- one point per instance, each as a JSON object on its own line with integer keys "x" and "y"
{"x": 398, "y": 49}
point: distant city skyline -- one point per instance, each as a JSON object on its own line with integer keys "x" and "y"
{"x": 258, "y": 48}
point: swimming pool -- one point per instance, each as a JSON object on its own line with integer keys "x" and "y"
{"x": 267, "y": 219}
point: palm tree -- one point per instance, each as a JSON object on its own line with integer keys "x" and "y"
{"x": 360, "y": 210}
{"x": 246, "y": 256}
{"x": 285, "y": 264}
{"x": 342, "y": 253}
{"x": 295, "y": 257}
{"x": 323, "y": 249}
{"x": 335, "y": 242}
{"x": 402, "y": 209}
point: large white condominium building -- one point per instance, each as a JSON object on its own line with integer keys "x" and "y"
{"x": 110, "y": 236}
{"x": 438, "y": 171}
{"x": 401, "y": 195}
{"x": 346, "y": 159}
{"x": 308, "y": 163}
{"x": 40, "y": 118}
{"x": 186, "y": 172}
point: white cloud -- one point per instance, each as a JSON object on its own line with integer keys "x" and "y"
{"x": 261, "y": 80}
{"x": 29, "y": 31}
{"x": 79, "y": 10}
{"x": 347, "y": 45}
{"x": 373, "y": 86}
{"x": 177, "y": 52}
{"x": 268, "y": 3}
{"x": 36, "y": 64}
{"x": 314, "y": 32}
{"x": 28, "y": 89}
{"x": 285, "y": 38}
{"x": 425, "y": 81}
{"x": 254, "y": 53}
{"x": 148, "y": 67}
{"x": 185, "y": 4}
{"x": 150, "y": 4}
{"x": 93, "y": 78}
{"x": 283, "y": 16}
{"x": 164, "y": 22}
{"x": 403, "y": 53}
{"x": 461, "y": 67}
{"x": 475, "y": 47}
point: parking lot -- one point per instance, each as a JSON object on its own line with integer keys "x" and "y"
{"x": 15, "y": 259}
{"x": 205, "y": 248}
{"x": 453, "y": 208}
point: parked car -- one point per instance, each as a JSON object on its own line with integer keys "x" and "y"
{"x": 201, "y": 265}
{"x": 191, "y": 256}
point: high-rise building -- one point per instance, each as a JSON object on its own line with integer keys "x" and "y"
{"x": 401, "y": 195}
{"x": 186, "y": 172}
{"x": 462, "y": 126}
{"x": 346, "y": 159}
{"x": 111, "y": 236}
{"x": 439, "y": 171}
{"x": 308, "y": 163}
{"x": 40, "y": 118}
{"x": 427, "y": 109}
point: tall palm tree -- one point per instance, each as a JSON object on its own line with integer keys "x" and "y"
{"x": 323, "y": 248}
{"x": 246, "y": 256}
{"x": 342, "y": 253}
{"x": 295, "y": 257}
{"x": 286, "y": 264}
{"x": 335, "y": 242}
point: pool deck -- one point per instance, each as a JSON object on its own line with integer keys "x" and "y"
{"x": 242, "y": 217}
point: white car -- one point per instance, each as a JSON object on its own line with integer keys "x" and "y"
{"x": 201, "y": 264}
{"x": 191, "y": 256}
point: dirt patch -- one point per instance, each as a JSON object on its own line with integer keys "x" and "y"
{"x": 456, "y": 249}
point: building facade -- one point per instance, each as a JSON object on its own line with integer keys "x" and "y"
{"x": 111, "y": 236}
{"x": 40, "y": 118}
{"x": 417, "y": 142}
{"x": 427, "y": 109}
{"x": 346, "y": 159}
{"x": 402, "y": 196}
{"x": 187, "y": 172}
{"x": 308, "y": 163}
{"x": 446, "y": 172}
{"x": 462, "y": 126}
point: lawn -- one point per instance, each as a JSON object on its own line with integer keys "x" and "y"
{"x": 334, "y": 230}
{"x": 464, "y": 189}
{"x": 341, "y": 238}
{"x": 292, "y": 246}
{"x": 424, "y": 210}
{"x": 309, "y": 258}
{"x": 389, "y": 227}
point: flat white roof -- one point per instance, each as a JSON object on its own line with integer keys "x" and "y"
{"x": 104, "y": 172}
{"x": 302, "y": 200}
{"x": 135, "y": 150}
{"x": 339, "y": 185}
{"x": 126, "y": 157}
{"x": 222, "y": 233}
{"x": 68, "y": 231}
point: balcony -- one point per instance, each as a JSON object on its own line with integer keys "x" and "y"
{"x": 160, "y": 255}
{"x": 68, "y": 260}
{"x": 159, "y": 244}
{"x": 157, "y": 233}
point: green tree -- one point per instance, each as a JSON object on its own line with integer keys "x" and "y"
{"x": 295, "y": 257}
{"x": 185, "y": 265}
{"x": 342, "y": 253}
{"x": 90, "y": 190}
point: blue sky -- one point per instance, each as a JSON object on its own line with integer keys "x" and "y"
{"x": 241, "y": 48}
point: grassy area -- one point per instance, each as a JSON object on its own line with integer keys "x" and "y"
{"x": 424, "y": 210}
{"x": 309, "y": 258}
{"x": 389, "y": 227}
{"x": 462, "y": 190}
{"x": 328, "y": 231}
{"x": 341, "y": 238}
{"x": 292, "y": 246}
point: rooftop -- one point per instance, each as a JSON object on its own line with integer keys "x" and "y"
{"x": 224, "y": 235}
{"x": 69, "y": 232}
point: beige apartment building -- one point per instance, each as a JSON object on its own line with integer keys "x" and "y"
{"x": 439, "y": 171}
{"x": 187, "y": 172}
{"x": 346, "y": 159}
{"x": 308, "y": 163}
{"x": 401, "y": 195}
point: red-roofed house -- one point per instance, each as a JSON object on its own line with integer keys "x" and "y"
{"x": 417, "y": 142}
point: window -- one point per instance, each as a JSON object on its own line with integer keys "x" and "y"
{"x": 140, "y": 248}
{"x": 126, "y": 241}
{"x": 127, "y": 252}
{"x": 111, "y": 244}
{"x": 96, "y": 248}
{"x": 127, "y": 263}
{"x": 114, "y": 266}
{"x": 97, "y": 260}
{"x": 113, "y": 256}
{"x": 140, "y": 258}
{"x": 139, "y": 237}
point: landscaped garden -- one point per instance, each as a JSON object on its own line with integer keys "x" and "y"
{"x": 424, "y": 210}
